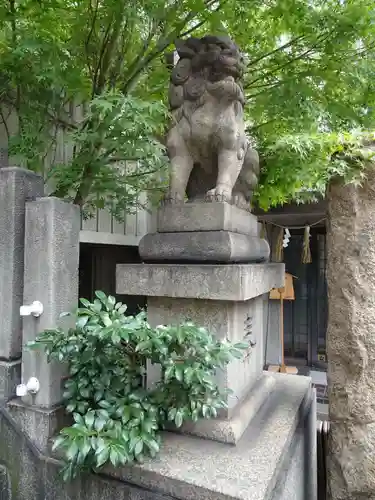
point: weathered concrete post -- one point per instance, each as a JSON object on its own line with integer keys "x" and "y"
{"x": 51, "y": 277}
{"x": 351, "y": 339}
{"x": 16, "y": 186}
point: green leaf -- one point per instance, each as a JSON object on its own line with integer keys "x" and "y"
{"x": 122, "y": 309}
{"x": 72, "y": 451}
{"x": 102, "y": 457}
{"x": 96, "y": 306}
{"x": 98, "y": 395}
{"x": 68, "y": 472}
{"x": 100, "y": 445}
{"x": 116, "y": 339}
{"x": 100, "y": 422}
{"x": 78, "y": 419}
{"x": 106, "y": 319}
{"x": 71, "y": 407}
{"x": 138, "y": 448}
{"x": 85, "y": 303}
{"x": 113, "y": 457}
{"x": 89, "y": 419}
{"x": 178, "y": 420}
{"x": 85, "y": 448}
{"x": 58, "y": 442}
{"x": 126, "y": 415}
{"x": 172, "y": 413}
{"x": 179, "y": 373}
{"x": 101, "y": 296}
{"x": 82, "y": 321}
{"x": 205, "y": 411}
{"x": 188, "y": 375}
{"x": 106, "y": 405}
{"x": 169, "y": 372}
{"x": 153, "y": 445}
{"x": 85, "y": 392}
{"x": 237, "y": 353}
{"x": 111, "y": 301}
{"x": 146, "y": 344}
{"x": 241, "y": 345}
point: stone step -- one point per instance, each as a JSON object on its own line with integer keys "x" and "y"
{"x": 265, "y": 464}
{"x": 230, "y": 430}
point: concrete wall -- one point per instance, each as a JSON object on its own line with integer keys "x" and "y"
{"x": 25, "y": 474}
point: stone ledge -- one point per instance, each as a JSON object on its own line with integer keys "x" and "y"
{"x": 231, "y": 430}
{"x": 200, "y": 469}
{"x": 207, "y": 216}
{"x": 235, "y": 282}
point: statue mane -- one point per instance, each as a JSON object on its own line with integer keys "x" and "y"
{"x": 212, "y": 65}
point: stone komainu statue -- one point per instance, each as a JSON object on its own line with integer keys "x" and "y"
{"x": 209, "y": 152}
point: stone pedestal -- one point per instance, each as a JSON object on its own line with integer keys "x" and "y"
{"x": 269, "y": 417}
{"x": 228, "y": 301}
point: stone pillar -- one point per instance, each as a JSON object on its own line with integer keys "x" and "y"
{"x": 16, "y": 186}
{"x": 51, "y": 277}
{"x": 351, "y": 339}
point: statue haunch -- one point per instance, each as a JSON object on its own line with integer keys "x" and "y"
{"x": 209, "y": 152}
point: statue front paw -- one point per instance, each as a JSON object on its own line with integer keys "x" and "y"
{"x": 220, "y": 193}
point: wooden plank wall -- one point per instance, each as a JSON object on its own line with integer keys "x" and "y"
{"x": 102, "y": 227}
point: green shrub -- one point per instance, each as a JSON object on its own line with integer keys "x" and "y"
{"x": 116, "y": 418}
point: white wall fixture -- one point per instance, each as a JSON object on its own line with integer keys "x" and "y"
{"x": 21, "y": 390}
{"x": 35, "y": 309}
{"x": 32, "y": 387}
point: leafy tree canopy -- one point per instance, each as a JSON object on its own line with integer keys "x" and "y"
{"x": 93, "y": 73}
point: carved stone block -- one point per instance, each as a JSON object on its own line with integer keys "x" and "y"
{"x": 203, "y": 246}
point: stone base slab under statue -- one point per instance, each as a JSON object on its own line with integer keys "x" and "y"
{"x": 263, "y": 445}
{"x": 204, "y": 232}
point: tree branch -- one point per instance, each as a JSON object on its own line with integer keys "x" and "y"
{"x": 4, "y": 120}
{"x": 278, "y": 49}
{"x": 288, "y": 63}
{"x": 87, "y": 41}
{"x": 99, "y": 63}
{"x": 161, "y": 45}
{"x": 201, "y": 23}
{"x": 260, "y": 125}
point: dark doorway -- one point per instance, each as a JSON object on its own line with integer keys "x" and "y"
{"x": 97, "y": 271}
{"x": 305, "y": 318}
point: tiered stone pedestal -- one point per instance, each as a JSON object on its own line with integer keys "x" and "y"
{"x": 270, "y": 417}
